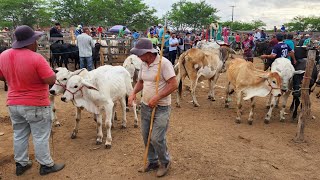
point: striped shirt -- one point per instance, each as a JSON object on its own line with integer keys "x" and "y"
{"x": 85, "y": 45}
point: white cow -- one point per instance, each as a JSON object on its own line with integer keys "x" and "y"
{"x": 100, "y": 91}
{"x": 286, "y": 71}
{"x": 62, "y": 76}
{"x": 133, "y": 65}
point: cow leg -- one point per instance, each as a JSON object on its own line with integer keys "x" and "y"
{"x": 295, "y": 109}
{"x": 179, "y": 91}
{"x": 269, "y": 114}
{"x": 239, "y": 106}
{"x": 136, "y": 123}
{"x": 193, "y": 92}
{"x": 284, "y": 103}
{"x": 269, "y": 102}
{"x": 108, "y": 110}
{"x": 114, "y": 115}
{"x": 53, "y": 111}
{"x": 227, "y": 101}
{"x": 76, "y": 127}
{"x": 124, "y": 112}
{"x": 212, "y": 83}
{"x": 250, "y": 120}
{"x": 99, "y": 129}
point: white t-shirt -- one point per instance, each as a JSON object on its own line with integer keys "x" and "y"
{"x": 173, "y": 41}
{"x": 149, "y": 73}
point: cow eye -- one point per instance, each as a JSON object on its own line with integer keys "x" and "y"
{"x": 64, "y": 79}
{"x": 274, "y": 82}
{"x": 75, "y": 86}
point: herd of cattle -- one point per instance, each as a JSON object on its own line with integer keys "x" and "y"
{"x": 100, "y": 90}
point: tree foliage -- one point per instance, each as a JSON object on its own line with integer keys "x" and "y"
{"x": 300, "y": 23}
{"x": 132, "y": 13}
{"x": 17, "y": 12}
{"x": 244, "y": 26}
{"x": 185, "y": 14}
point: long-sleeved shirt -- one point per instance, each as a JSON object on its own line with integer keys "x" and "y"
{"x": 85, "y": 45}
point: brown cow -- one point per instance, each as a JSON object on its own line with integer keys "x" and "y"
{"x": 199, "y": 64}
{"x": 246, "y": 79}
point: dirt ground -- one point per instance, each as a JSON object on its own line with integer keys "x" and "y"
{"x": 204, "y": 142}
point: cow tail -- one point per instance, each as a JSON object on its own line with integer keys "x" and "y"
{"x": 181, "y": 71}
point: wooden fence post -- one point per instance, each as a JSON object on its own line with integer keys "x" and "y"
{"x": 305, "y": 98}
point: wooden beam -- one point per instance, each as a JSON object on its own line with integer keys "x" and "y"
{"x": 305, "y": 98}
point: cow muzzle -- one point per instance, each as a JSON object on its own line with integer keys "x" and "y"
{"x": 64, "y": 99}
{"x": 53, "y": 92}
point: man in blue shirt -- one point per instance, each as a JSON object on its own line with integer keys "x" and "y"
{"x": 281, "y": 50}
{"x": 289, "y": 42}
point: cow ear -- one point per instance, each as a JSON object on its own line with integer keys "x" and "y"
{"x": 299, "y": 72}
{"x": 88, "y": 85}
{"x": 263, "y": 76}
{"x": 77, "y": 72}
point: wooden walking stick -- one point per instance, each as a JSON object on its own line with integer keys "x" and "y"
{"x": 145, "y": 157}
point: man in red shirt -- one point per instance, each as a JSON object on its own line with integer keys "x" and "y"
{"x": 247, "y": 46}
{"x": 28, "y": 75}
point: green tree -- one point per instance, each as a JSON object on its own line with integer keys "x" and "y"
{"x": 132, "y": 13}
{"x": 244, "y": 26}
{"x": 185, "y": 14}
{"x": 298, "y": 23}
{"x": 18, "y": 12}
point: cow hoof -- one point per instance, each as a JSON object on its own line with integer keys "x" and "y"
{"x": 135, "y": 126}
{"x": 282, "y": 120}
{"x": 276, "y": 106}
{"x": 226, "y": 105}
{"x": 250, "y": 122}
{"x": 98, "y": 142}
{"x": 73, "y": 135}
{"x": 266, "y": 121}
{"x": 127, "y": 109}
{"x": 108, "y": 146}
{"x": 196, "y": 105}
{"x": 123, "y": 127}
{"x": 238, "y": 121}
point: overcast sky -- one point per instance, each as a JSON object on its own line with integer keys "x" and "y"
{"x": 272, "y": 12}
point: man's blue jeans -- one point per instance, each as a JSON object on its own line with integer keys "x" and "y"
{"x": 88, "y": 61}
{"x": 158, "y": 145}
{"x": 34, "y": 120}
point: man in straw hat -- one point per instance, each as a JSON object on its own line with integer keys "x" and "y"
{"x": 147, "y": 82}
{"x": 28, "y": 75}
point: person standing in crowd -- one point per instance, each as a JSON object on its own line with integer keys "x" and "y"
{"x": 180, "y": 48}
{"x": 122, "y": 32}
{"x": 99, "y": 30}
{"x": 28, "y": 100}
{"x": 238, "y": 41}
{"x": 85, "y": 44}
{"x": 135, "y": 36}
{"x": 56, "y": 32}
{"x": 257, "y": 35}
{"x": 154, "y": 41}
{"x": 231, "y": 41}
{"x": 78, "y": 30}
{"x": 289, "y": 42}
{"x": 307, "y": 40}
{"x": 187, "y": 42}
{"x": 161, "y": 32}
{"x": 281, "y": 50}
{"x": 275, "y": 29}
{"x": 263, "y": 35}
{"x": 247, "y": 46}
{"x": 166, "y": 44}
{"x": 173, "y": 46}
{"x": 283, "y": 28}
{"x": 158, "y": 150}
